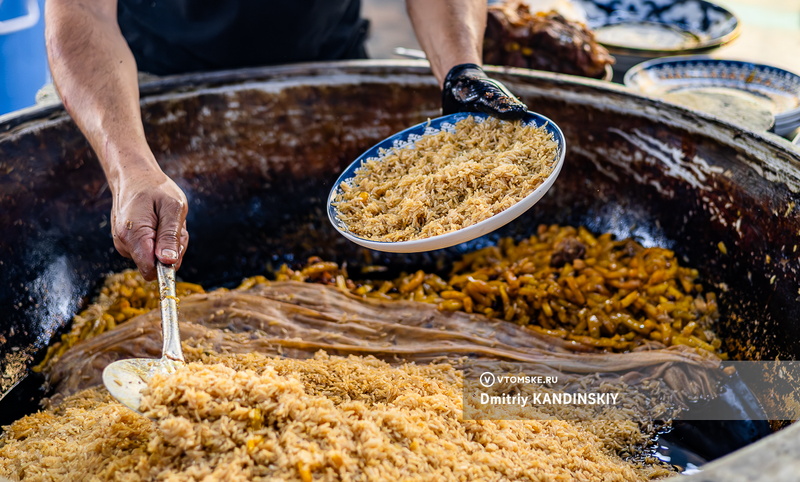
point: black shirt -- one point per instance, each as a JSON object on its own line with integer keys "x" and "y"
{"x": 178, "y": 36}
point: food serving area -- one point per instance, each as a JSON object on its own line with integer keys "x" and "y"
{"x": 693, "y": 203}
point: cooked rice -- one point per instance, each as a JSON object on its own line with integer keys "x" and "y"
{"x": 447, "y": 180}
{"x": 252, "y": 417}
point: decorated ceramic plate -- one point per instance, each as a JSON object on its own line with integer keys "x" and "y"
{"x": 654, "y": 28}
{"x": 771, "y": 88}
{"x": 406, "y": 140}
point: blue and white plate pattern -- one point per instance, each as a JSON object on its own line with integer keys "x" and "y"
{"x": 407, "y": 139}
{"x": 660, "y": 27}
{"x": 775, "y": 89}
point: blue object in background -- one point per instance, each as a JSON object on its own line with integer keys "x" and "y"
{"x": 23, "y": 59}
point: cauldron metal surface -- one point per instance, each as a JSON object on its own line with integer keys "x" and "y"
{"x": 257, "y": 150}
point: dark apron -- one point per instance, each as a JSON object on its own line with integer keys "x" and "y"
{"x": 178, "y": 36}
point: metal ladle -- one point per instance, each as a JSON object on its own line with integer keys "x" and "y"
{"x": 125, "y": 379}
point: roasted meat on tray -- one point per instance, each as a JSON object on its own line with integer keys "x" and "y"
{"x": 518, "y": 37}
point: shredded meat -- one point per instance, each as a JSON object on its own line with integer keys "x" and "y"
{"x": 566, "y": 251}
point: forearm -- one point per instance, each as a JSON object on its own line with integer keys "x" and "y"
{"x": 95, "y": 74}
{"x": 450, "y": 31}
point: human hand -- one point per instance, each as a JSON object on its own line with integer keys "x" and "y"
{"x": 148, "y": 221}
{"x": 467, "y": 88}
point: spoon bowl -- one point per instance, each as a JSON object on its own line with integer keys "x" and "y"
{"x": 125, "y": 379}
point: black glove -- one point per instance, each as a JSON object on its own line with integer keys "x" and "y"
{"x": 468, "y": 89}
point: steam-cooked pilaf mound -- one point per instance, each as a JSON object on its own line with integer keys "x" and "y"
{"x": 251, "y": 417}
{"x": 447, "y": 181}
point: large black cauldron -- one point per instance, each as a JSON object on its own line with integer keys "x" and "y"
{"x": 256, "y": 152}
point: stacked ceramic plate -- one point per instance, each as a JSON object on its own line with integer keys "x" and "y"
{"x": 724, "y": 88}
{"x": 787, "y": 124}
{"x": 638, "y": 30}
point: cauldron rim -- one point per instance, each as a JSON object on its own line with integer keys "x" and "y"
{"x": 190, "y": 82}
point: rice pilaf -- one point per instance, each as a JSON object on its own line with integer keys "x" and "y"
{"x": 447, "y": 181}
{"x": 253, "y": 417}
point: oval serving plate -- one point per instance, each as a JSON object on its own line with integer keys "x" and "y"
{"x": 654, "y": 28}
{"x": 776, "y": 89}
{"x": 404, "y": 140}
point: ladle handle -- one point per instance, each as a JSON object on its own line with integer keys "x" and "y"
{"x": 169, "y": 312}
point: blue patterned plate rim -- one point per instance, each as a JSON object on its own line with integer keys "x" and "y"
{"x": 782, "y": 86}
{"x": 462, "y": 235}
{"x": 616, "y": 12}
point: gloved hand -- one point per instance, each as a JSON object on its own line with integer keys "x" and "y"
{"x": 467, "y": 88}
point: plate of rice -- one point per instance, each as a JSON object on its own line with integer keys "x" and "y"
{"x": 446, "y": 181}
